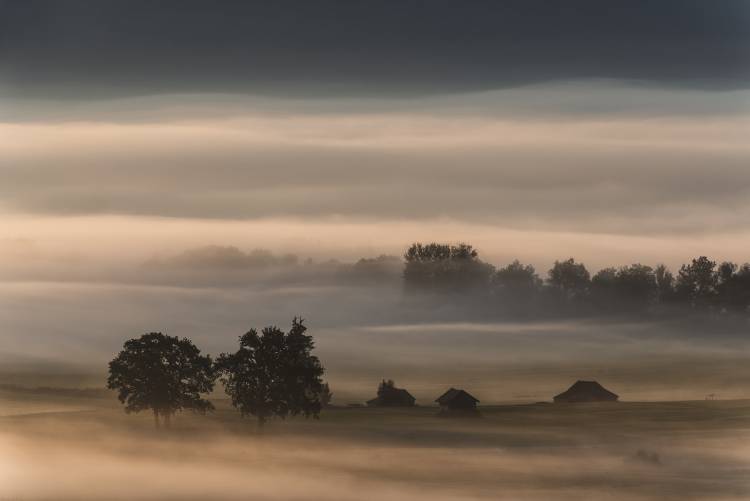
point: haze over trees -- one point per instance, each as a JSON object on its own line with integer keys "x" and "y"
{"x": 274, "y": 374}
{"x": 468, "y": 287}
{"x": 569, "y": 287}
{"x": 445, "y": 267}
{"x": 163, "y": 374}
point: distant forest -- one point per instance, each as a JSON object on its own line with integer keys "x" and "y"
{"x": 702, "y": 285}
{"x": 452, "y": 281}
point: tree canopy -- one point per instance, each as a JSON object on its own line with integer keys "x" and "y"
{"x": 570, "y": 277}
{"x": 445, "y": 267}
{"x": 570, "y": 289}
{"x": 274, "y": 374}
{"x": 696, "y": 282}
{"x": 162, "y": 373}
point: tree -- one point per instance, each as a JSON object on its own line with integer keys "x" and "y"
{"x": 696, "y": 283}
{"x": 571, "y": 278}
{"x": 274, "y": 374}
{"x": 517, "y": 285}
{"x": 444, "y": 267}
{"x": 162, "y": 373}
{"x": 733, "y": 288}
{"x": 385, "y": 386}
{"x": 604, "y": 289}
{"x": 635, "y": 286}
{"x": 517, "y": 277}
{"x": 664, "y": 284}
{"x": 325, "y": 395}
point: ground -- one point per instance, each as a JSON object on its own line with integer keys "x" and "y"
{"x": 75, "y": 445}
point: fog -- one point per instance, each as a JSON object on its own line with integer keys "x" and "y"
{"x": 99, "y": 454}
{"x": 201, "y": 171}
{"x": 62, "y": 332}
{"x": 608, "y": 171}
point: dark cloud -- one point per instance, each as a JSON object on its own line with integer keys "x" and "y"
{"x": 88, "y": 48}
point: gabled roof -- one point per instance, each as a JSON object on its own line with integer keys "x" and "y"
{"x": 402, "y": 393}
{"x": 592, "y": 388}
{"x": 392, "y": 394}
{"x": 452, "y": 394}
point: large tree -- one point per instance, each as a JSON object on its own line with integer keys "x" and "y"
{"x": 162, "y": 373}
{"x": 445, "y": 268}
{"x": 517, "y": 286}
{"x": 517, "y": 277}
{"x": 733, "y": 289}
{"x": 570, "y": 277}
{"x": 636, "y": 286}
{"x": 274, "y": 374}
{"x": 664, "y": 284}
{"x": 697, "y": 283}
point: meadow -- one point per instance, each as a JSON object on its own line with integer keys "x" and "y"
{"x": 79, "y": 445}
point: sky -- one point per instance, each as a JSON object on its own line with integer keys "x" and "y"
{"x": 614, "y": 132}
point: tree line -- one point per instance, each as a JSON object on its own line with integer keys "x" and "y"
{"x": 700, "y": 285}
{"x": 272, "y": 374}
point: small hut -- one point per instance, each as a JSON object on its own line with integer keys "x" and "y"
{"x": 390, "y": 396}
{"x": 454, "y": 399}
{"x": 586, "y": 391}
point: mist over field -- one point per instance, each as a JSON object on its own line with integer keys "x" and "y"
{"x": 393, "y": 250}
{"x": 637, "y": 451}
{"x": 367, "y": 326}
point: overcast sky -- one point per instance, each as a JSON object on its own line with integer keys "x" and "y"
{"x": 534, "y": 129}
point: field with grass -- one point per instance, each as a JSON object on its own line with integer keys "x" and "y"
{"x": 79, "y": 445}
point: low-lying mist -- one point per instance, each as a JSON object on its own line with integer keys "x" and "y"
{"x": 618, "y": 452}
{"x": 366, "y": 327}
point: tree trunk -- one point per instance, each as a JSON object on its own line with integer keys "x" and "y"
{"x": 261, "y": 423}
{"x": 156, "y": 419}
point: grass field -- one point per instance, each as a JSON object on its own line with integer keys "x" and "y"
{"x": 84, "y": 447}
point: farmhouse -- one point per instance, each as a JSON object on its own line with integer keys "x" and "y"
{"x": 390, "y": 396}
{"x": 586, "y": 391}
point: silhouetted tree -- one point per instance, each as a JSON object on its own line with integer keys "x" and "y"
{"x": 635, "y": 286}
{"x": 386, "y": 386}
{"x": 517, "y": 286}
{"x": 696, "y": 283}
{"x": 325, "y": 395}
{"x": 162, "y": 373}
{"x": 274, "y": 374}
{"x": 443, "y": 267}
{"x": 518, "y": 277}
{"x": 571, "y": 278}
{"x": 604, "y": 289}
{"x": 733, "y": 287}
{"x": 664, "y": 284}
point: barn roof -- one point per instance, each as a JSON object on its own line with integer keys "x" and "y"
{"x": 452, "y": 394}
{"x": 587, "y": 387}
{"x": 402, "y": 393}
{"x": 391, "y": 394}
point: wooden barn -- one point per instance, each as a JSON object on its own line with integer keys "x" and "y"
{"x": 586, "y": 391}
{"x": 390, "y": 396}
{"x": 457, "y": 400}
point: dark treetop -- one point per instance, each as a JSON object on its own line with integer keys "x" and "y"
{"x": 274, "y": 374}
{"x": 162, "y": 373}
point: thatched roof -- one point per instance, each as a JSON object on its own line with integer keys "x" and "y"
{"x": 586, "y": 391}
